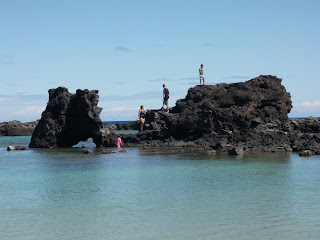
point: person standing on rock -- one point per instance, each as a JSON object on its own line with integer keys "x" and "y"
{"x": 165, "y": 97}
{"x": 142, "y": 116}
{"x": 201, "y": 74}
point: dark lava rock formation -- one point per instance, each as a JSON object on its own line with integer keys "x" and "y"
{"x": 16, "y": 128}
{"x": 308, "y": 125}
{"x": 128, "y": 126}
{"x": 230, "y": 118}
{"x": 236, "y": 118}
{"x": 68, "y": 119}
{"x": 307, "y": 142}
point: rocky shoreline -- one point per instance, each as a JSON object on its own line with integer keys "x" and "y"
{"x": 235, "y": 118}
{"x": 17, "y": 128}
{"x": 304, "y": 138}
{"x": 251, "y": 116}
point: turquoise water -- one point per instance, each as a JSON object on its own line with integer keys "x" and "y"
{"x": 126, "y": 131}
{"x": 156, "y": 194}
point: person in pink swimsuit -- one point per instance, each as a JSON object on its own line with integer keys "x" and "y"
{"x": 119, "y": 142}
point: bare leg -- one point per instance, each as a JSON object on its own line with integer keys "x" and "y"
{"x": 167, "y": 108}
{"x": 142, "y": 120}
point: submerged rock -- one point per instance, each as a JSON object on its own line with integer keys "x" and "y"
{"x": 13, "y": 148}
{"x": 69, "y": 119}
{"x": 87, "y": 151}
{"x": 306, "y": 153}
{"x": 236, "y": 151}
{"x": 107, "y": 152}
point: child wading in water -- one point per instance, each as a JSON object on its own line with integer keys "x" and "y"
{"x": 119, "y": 142}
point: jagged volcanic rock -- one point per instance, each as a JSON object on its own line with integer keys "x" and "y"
{"x": 233, "y": 107}
{"x": 308, "y": 125}
{"x": 307, "y": 142}
{"x": 16, "y": 128}
{"x": 128, "y": 126}
{"x": 252, "y": 115}
{"x": 68, "y": 119}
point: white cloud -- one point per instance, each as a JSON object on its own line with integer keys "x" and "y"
{"x": 19, "y": 100}
{"x": 120, "y": 109}
{"x": 122, "y": 113}
{"x": 308, "y": 105}
{"x": 305, "y": 109}
{"x": 4, "y": 100}
{"x": 136, "y": 96}
{"x": 32, "y": 111}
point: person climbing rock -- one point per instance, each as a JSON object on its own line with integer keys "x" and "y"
{"x": 142, "y": 116}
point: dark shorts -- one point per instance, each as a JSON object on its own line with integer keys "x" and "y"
{"x": 166, "y": 102}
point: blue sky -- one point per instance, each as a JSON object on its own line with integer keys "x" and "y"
{"x": 128, "y": 49}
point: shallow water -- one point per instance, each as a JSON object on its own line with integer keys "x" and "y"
{"x": 126, "y": 132}
{"x": 156, "y": 194}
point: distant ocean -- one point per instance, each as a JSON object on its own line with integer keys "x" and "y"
{"x": 303, "y": 118}
{"x": 116, "y": 122}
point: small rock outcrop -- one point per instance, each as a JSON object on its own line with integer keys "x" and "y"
{"x": 236, "y": 118}
{"x": 128, "y": 126}
{"x": 13, "y": 148}
{"x": 307, "y": 142}
{"x": 16, "y": 128}
{"x": 306, "y": 153}
{"x": 308, "y": 125}
{"x": 68, "y": 119}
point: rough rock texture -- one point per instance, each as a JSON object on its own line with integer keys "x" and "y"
{"x": 308, "y": 125}
{"x": 68, "y": 119}
{"x": 306, "y": 153}
{"x": 128, "y": 126}
{"x": 236, "y": 118}
{"x": 229, "y": 118}
{"x": 13, "y": 148}
{"x": 16, "y": 128}
{"x": 307, "y": 142}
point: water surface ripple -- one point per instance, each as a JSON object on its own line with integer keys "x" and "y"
{"x": 156, "y": 194}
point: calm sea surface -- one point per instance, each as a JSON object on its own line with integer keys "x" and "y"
{"x": 156, "y": 194}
